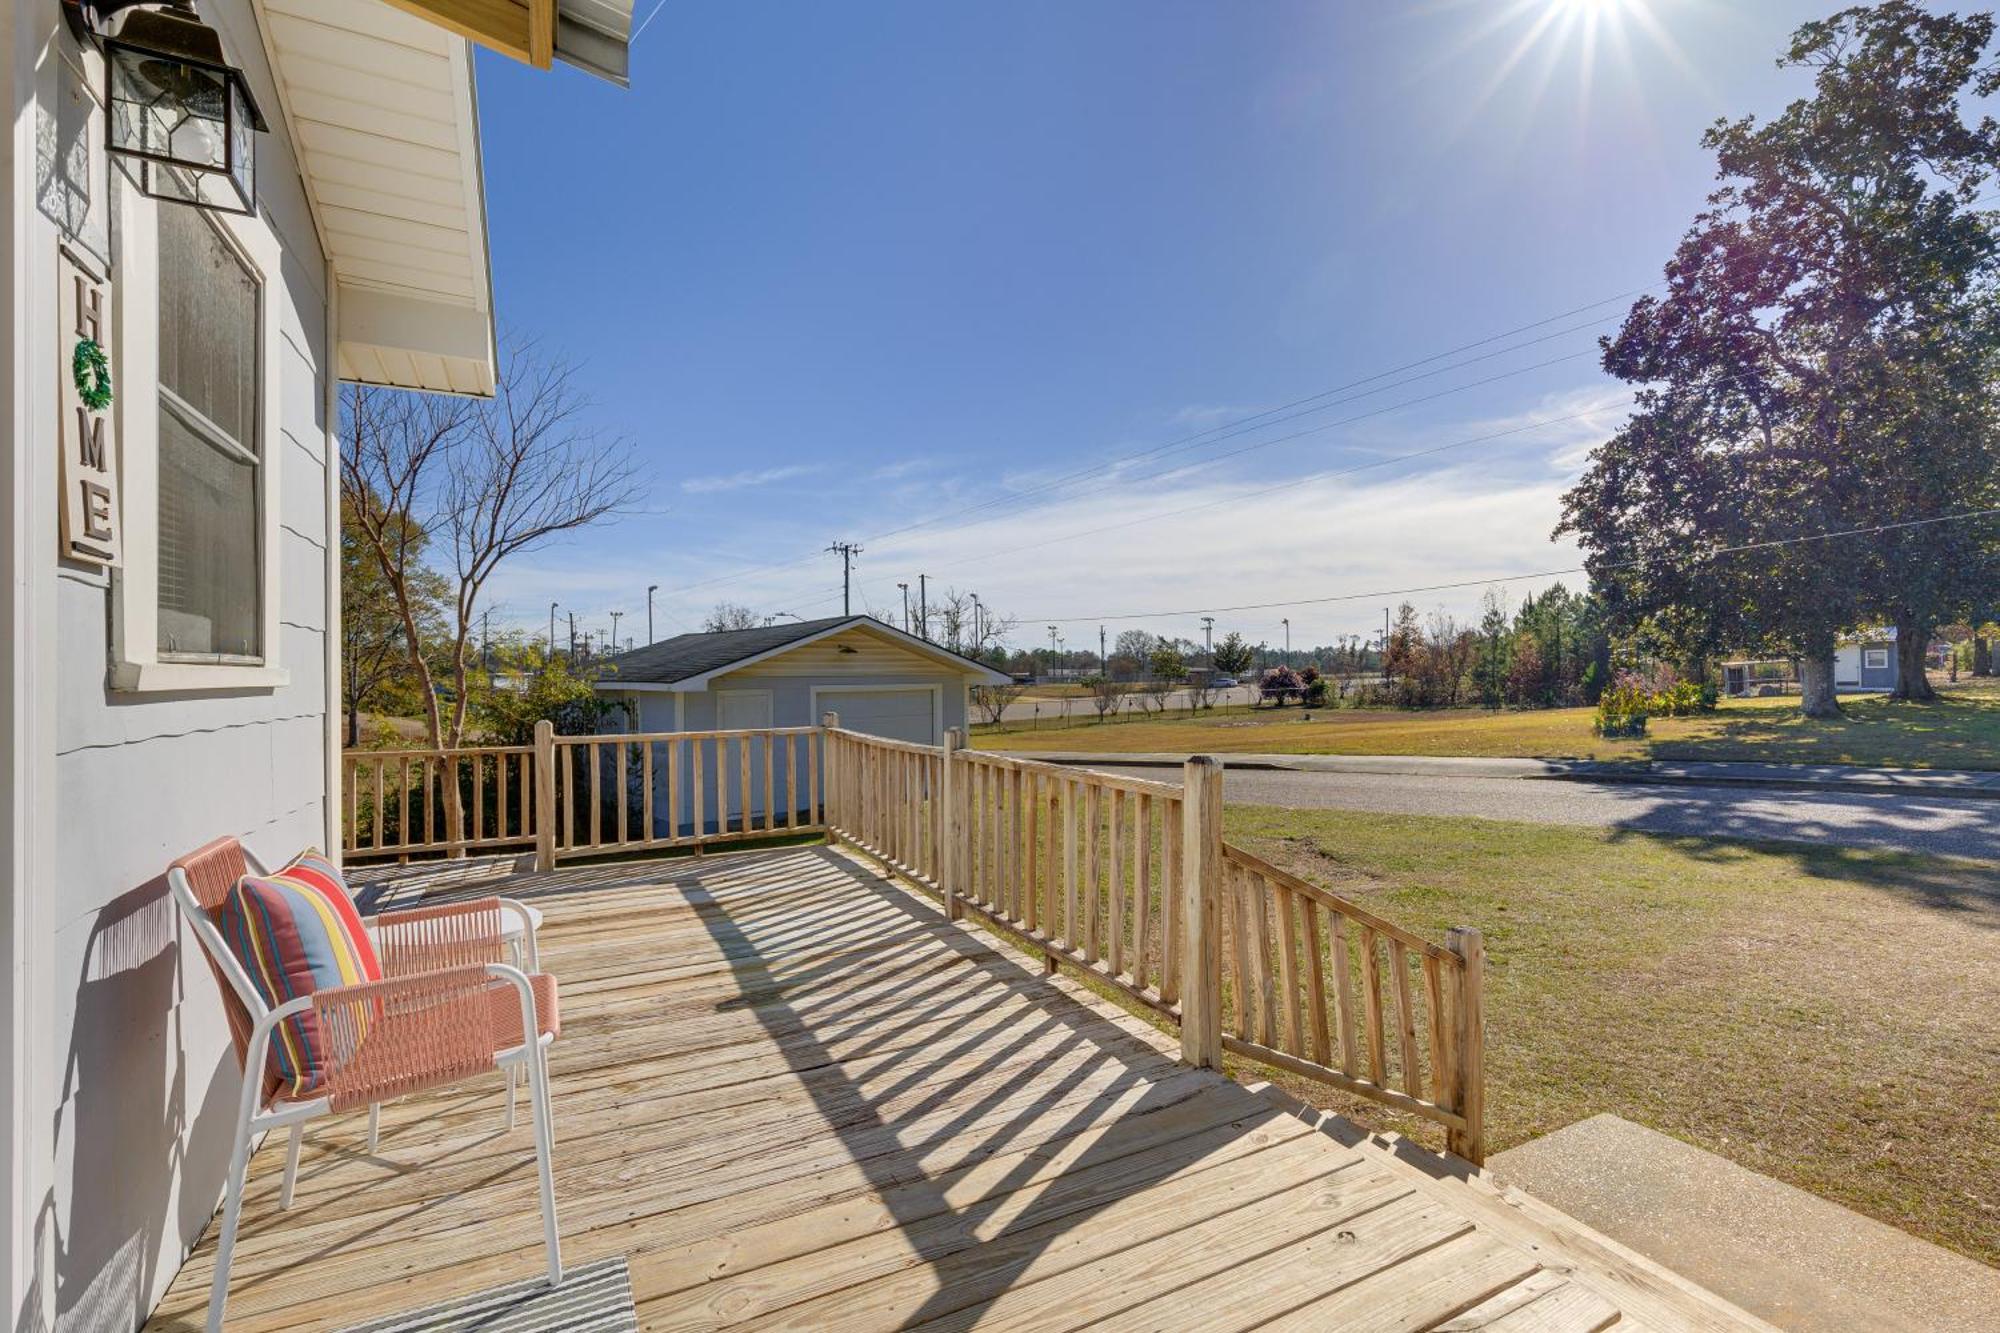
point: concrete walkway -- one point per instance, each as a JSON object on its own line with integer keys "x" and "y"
{"x": 1788, "y": 1256}
{"x": 1797, "y": 777}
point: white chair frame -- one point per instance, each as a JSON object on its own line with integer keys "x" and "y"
{"x": 255, "y": 1117}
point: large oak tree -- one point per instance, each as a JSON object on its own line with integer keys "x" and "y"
{"x": 1820, "y": 362}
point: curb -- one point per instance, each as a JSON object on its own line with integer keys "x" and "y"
{"x": 1556, "y": 771}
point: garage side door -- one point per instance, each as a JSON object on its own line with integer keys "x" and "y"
{"x": 900, "y": 715}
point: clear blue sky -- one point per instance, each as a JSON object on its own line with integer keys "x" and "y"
{"x": 841, "y": 268}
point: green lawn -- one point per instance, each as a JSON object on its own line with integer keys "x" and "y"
{"x": 1962, "y": 730}
{"x": 1821, "y": 1015}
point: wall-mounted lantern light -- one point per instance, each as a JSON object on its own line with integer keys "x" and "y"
{"x": 175, "y": 104}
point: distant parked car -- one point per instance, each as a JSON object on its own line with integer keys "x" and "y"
{"x": 1223, "y": 682}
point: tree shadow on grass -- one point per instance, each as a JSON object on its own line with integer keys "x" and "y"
{"x": 1957, "y": 731}
{"x": 1969, "y": 892}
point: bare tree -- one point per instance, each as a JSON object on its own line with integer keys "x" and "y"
{"x": 992, "y": 700}
{"x": 482, "y": 481}
{"x": 1106, "y": 694}
{"x": 729, "y": 615}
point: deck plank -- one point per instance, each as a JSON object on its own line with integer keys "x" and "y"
{"x": 793, "y": 1096}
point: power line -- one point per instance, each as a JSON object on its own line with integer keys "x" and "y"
{"x": 1874, "y": 529}
{"x": 636, "y": 32}
{"x": 1258, "y": 421}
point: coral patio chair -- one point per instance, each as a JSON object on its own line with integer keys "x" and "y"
{"x": 447, "y": 1009}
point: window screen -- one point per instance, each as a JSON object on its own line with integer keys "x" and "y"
{"x": 211, "y": 561}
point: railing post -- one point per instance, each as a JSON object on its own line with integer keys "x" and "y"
{"x": 1469, "y": 1097}
{"x": 829, "y": 787}
{"x": 1201, "y": 933}
{"x": 948, "y": 823}
{"x": 545, "y": 795}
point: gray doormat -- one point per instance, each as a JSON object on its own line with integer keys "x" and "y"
{"x": 596, "y": 1298}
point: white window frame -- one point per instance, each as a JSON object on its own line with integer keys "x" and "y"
{"x": 1869, "y": 658}
{"x": 136, "y": 666}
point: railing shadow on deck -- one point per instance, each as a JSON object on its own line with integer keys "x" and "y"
{"x": 936, "y": 1228}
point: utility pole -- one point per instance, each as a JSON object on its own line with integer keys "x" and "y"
{"x": 846, "y": 551}
{"x": 924, "y": 605}
{"x": 978, "y": 638}
{"x": 905, "y": 589}
{"x": 572, "y": 636}
{"x": 1103, "y": 658}
{"x": 1054, "y": 635}
{"x": 614, "y": 629}
{"x": 1288, "y": 640}
{"x": 1385, "y": 643}
{"x": 552, "y": 631}
{"x": 1208, "y": 636}
{"x": 651, "y": 588}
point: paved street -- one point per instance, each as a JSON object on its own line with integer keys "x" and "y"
{"x": 1952, "y": 826}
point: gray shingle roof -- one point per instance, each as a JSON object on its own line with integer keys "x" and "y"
{"x": 688, "y": 655}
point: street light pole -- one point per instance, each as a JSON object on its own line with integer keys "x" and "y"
{"x": 552, "y": 631}
{"x": 1103, "y": 658}
{"x": 1288, "y": 640}
{"x": 614, "y": 629}
{"x": 905, "y": 588}
{"x": 924, "y": 605}
{"x": 1208, "y": 637}
{"x": 651, "y": 588}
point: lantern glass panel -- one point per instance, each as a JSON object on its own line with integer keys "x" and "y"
{"x": 169, "y": 110}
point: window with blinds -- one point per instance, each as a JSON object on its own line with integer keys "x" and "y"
{"x": 210, "y": 559}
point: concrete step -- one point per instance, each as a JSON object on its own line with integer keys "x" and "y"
{"x": 1774, "y": 1250}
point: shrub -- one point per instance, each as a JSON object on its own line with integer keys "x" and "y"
{"x": 1280, "y": 683}
{"x": 1621, "y": 712}
{"x": 1315, "y": 696}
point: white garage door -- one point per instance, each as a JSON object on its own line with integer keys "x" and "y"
{"x": 900, "y": 715}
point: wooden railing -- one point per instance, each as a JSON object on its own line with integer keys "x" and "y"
{"x": 1324, "y": 988}
{"x": 643, "y": 791}
{"x": 885, "y": 796}
{"x": 396, "y": 801}
{"x": 1083, "y": 864}
{"x": 575, "y": 796}
{"x": 1132, "y": 881}
{"x": 1125, "y": 878}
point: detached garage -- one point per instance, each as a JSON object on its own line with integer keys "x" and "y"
{"x": 879, "y": 679}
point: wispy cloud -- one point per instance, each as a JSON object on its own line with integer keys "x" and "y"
{"x": 736, "y": 481}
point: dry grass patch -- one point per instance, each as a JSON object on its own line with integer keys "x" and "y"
{"x": 1822, "y": 1015}
{"x": 1962, "y": 730}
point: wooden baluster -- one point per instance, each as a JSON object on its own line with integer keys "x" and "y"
{"x": 1406, "y": 1022}
{"x": 1259, "y": 892}
{"x": 501, "y": 764}
{"x": 1440, "y": 1041}
{"x": 1371, "y": 981}
{"x": 381, "y": 809}
{"x": 1062, "y": 809}
{"x": 352, "y": 786}
{"x": 1343, "y": 998}
{"x": 1245, "y": 989}
{"x": 1469, "y": 1063}
{"x": 743, "y": 779}
{"x": 815, "y": 756}
{"x": 1315, "y": 984}
{"x": 521, "y": 795}
{"x": 1115, "y": 891}
{"x": 1172, "y": 815}
{"x": 1093, "y": 874}
{"x": 646, "y": 791}
{"x": 1025, "y": 888}
{"x": 594, "y": 755}
{"x": 1198, "y": 889}
{"x": 1288, "y": 974}
{"x": 696, "y": 794}
{"x": 566, "y": 774}
{"x": 624, "y": 795}
{"x": 478, "y": 797}
{"x": 770, "y": 791}
{"x": 1142, "y": 886}
{"x": 544, "y": 775}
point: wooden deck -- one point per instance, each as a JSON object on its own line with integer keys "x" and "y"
{"x": 795, "y": 1097}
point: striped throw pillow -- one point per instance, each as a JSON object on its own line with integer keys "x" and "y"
{"x": 296, "y": 931}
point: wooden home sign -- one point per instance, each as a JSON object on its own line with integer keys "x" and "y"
{"x": 90, "y": 514}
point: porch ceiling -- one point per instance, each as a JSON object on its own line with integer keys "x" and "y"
{"x": 383, "y": 113}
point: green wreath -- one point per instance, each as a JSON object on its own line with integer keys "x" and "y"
{"x": 91, "y": 370}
